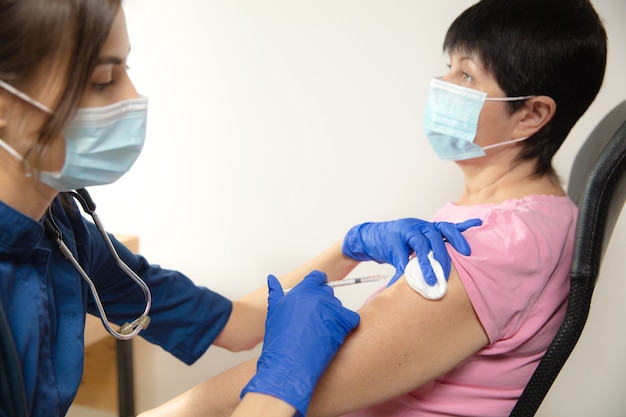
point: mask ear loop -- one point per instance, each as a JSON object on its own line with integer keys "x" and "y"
{"x": 519, "y": 98}
{"x": 508, "y": 142}
{"x": 8, "y": 87}
{"x": 28, "y": 99}
{"x": 507, "y": 99}
{"x": 11, "y": 151}
{"x": 17, "y": 156}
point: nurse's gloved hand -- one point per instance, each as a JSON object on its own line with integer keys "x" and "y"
{"x": 303, "y": 331}
{"x": 392, "y": 243}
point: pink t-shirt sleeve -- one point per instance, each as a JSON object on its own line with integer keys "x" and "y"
{"x": 517, "y": 279}
{"x": 514, "y": 254}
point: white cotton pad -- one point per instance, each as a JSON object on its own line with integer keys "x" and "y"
{"x": 415, "y": 278}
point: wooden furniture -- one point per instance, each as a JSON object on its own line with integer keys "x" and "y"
{"x": 107, "y": 382}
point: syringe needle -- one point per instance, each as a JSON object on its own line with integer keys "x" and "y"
{"x": 352, "y": 281}
{"x": 359, "y": 280}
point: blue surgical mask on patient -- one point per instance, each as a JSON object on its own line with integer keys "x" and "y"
{"x": 101, "y": 143}
{"x": 451, "y": 120}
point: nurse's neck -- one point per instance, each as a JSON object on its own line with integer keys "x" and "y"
{"x": 22, "y": 193}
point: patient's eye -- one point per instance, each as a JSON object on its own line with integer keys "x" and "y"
{"x": 467, "y": 78}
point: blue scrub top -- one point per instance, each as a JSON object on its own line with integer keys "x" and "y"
{"x": 45, "y": 301}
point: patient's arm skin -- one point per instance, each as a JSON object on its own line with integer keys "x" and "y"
{"x": 260, "y": 405}
{"x": 246, "y": 325}
{"x": 403, "y": 341}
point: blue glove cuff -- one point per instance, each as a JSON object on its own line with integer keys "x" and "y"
{"x": 279, "y": 388}
{"x": 353, "y": 246}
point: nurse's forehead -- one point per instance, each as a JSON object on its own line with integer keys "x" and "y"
{"x": 117, "y": 44}
{"x": 110, "y": 57}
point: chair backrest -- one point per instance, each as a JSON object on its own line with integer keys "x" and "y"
{"x": 598, "y": 184}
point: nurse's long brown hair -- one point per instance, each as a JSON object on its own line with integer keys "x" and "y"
{"x": 39, "y": 37}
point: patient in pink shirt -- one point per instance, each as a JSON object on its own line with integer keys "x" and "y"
{"x": 517, "y": 279}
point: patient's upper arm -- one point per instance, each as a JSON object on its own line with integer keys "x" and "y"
{"x": 403, "y": 341}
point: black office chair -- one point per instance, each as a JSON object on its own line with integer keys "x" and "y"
{"x": 598, "y": 185}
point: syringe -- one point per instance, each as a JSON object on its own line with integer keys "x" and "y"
{"x": 359, "y": 280}
{"x": 352, "y": 281}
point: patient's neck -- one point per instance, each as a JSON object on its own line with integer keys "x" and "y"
{"x": 497, "y": 182}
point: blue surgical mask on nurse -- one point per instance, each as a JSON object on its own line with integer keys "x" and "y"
{"x": 101, "y": 143}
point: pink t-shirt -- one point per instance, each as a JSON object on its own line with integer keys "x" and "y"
{"x": 517, "y": 279}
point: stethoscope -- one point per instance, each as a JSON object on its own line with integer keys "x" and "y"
{"x": 128, "y": 330}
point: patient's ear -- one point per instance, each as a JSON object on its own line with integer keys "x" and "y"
{"x": 535, "y": 114}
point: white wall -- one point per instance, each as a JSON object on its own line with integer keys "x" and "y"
{"x": 275, "y": 126}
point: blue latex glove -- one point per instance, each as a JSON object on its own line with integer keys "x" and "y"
{"x": 392, "y": 243}
{"x": 303, "y": 331}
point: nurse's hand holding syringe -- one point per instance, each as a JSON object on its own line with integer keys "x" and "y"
{"x": 352, "y": 281}
{"x": 303, "y": 331}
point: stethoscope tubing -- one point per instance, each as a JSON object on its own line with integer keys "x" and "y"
{"x": 128, "y": 330}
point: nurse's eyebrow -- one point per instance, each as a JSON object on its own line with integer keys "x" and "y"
{"x": 109, "y": 60}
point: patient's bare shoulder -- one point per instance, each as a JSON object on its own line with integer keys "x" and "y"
{"x": 403, "y": 341}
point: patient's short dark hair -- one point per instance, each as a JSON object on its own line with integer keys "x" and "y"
{"x": 555, "y": 48}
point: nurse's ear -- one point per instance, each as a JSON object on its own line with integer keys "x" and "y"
{"x": 533, "y": 115}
